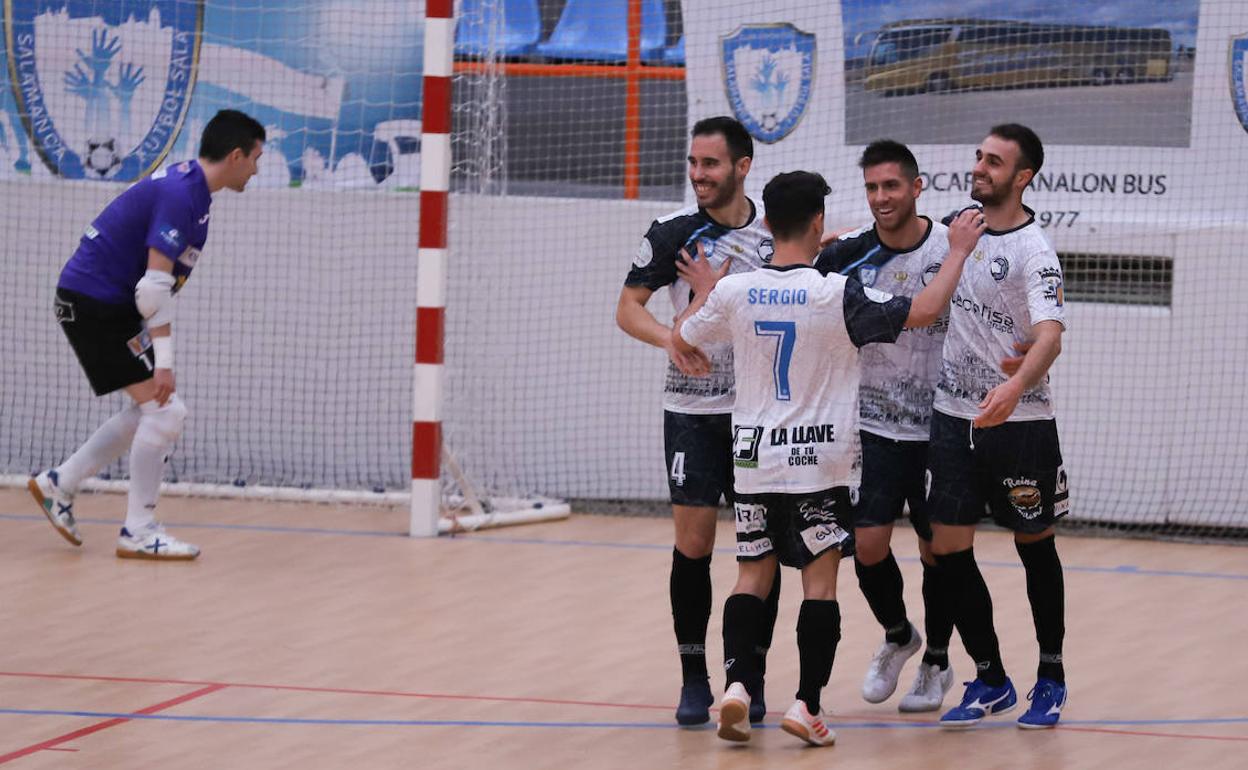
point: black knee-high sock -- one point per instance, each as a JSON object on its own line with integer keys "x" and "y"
{"x": 743, "y": 614}
{"x": 881, "y": 584}
{"x": 818, "y": 632}
{"x": 767, "y": 628}
{"x": 937, "y": 617}
{"x": 1047, "y": 592}
{"x": 972, "y": 613}
{"x": 690, "y": 587}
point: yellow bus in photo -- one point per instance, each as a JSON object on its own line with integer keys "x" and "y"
{"x": 937, "y": 55}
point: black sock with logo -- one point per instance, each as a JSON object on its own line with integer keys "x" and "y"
{"x": 972, "y": 613}
{"x": 1047, "y": 592}
{"x": 690, "y": 587}
{"x": 882, "y": 585}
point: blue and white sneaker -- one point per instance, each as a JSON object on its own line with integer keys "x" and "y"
{"x": 695, "y": 703}
{"x": 980, "y": 700}
{"x": 154, "y": 543}
{"x": 56, "y": 504}
{"x": 1047, "y": 699}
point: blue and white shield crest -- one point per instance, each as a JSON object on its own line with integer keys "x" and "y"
{"x": 867, "y": 275}
{"x": 1239, "y": 68}
{"x": 769, "y": 72}
{"x": 103, "y": 88}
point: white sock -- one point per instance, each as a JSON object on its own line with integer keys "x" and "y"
{"x": 105, "y": 445}
{"x": 159, "y": 427}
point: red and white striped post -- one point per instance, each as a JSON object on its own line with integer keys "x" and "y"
{"x": 435, "y": 178}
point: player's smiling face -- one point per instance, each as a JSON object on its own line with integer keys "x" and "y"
{"x": 995, "y": 175}
{"x": 715, "y": 178}
{"x": 890, "y": 194}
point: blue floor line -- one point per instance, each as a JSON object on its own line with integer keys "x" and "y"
{"x": 883, "y": 725}
{"x": 1122, "y": 569}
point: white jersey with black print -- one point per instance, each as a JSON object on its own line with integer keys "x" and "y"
{"x": 898, "y": 380}
{"x": 795, "y": 336}
{"x": 750, "y": 246}
{"x": 1011, "y": 281}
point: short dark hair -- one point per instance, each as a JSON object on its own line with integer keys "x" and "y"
{"x": 792, "y": 200}
{"x": 889, "y": 151}
{"x": 229, "y": 130}
{"x": 740, "y": 143}
{"x": 1031, "y": 151}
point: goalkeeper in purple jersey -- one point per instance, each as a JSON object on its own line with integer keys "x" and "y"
{"x": 114, "y": 301}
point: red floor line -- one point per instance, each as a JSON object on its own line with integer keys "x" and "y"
{"x": 1153, "y": 735}
{"x": 97, "y": 727}
{"x": 396, "y": 694}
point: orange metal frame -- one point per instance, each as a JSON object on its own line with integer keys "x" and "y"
{"x": 633, "y": 72}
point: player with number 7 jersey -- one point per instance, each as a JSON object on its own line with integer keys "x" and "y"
{"x": 795, "y": 336}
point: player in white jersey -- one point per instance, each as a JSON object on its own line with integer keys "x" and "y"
{"x": 994, "y": 438}
{"x": 898, "y": 253}
{"x": 795, "y": 336}
{"x": 697, "y": 410}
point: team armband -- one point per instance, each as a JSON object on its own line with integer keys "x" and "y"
{"x": 153, "y": 296}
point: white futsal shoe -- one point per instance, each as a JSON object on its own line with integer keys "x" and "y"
{"x": 154, "y": 543}
{"x": 734, "y": 714}
{"x": 929, "y": 688}
{"x": 885, "y": 668}
{"x": 55, "y": 504}
{"x": 809, "y": 727}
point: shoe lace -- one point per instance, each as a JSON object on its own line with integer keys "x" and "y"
{"x": 883, "y": 657}
{"x": 1043, "y": 692}
{"x": 925, "y": 676}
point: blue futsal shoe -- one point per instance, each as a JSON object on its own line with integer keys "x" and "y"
{"x": 695, "y": 703}
{"x": 1047, "y": 699}
{"x": 980, "y": 700}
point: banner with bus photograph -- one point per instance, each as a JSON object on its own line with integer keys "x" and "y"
{"x": 1130, "y": 97}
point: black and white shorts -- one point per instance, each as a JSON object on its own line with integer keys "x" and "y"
{"x": 111, "y": 341}
{"x": 1014, "y": 472}
{"x": 894, "y": 475}
{"x": 796, "y": 528}
{"x": 699, "y": 457}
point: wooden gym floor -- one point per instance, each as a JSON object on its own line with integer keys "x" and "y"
{"x": 321, "y": 637}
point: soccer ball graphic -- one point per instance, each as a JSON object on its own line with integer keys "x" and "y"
{"x": 102, "y": 156}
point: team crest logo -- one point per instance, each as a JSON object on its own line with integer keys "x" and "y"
{"x": 103, "y": 88}
{"x": 930, "y": 272}
{"x": 769, "y": 72}
{"x": 766, "y": 250}
{"x": 867, "y": 275}
{"x": 1000, "y": 268}
{"x": 1239, "y": 68}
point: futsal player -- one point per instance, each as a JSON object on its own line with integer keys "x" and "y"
{"x": 795, "y": 336}
{"x": 115, "y": 304}
{"x": 994, "y": 436}
{"x": 899, "y": 253}
{"x": 697, "y": 410}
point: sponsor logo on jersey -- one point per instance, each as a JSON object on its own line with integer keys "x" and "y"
{"x": 751, "y": 517}
{"x": 1024, "y": 495}
{"x": 1238, "y": 72}
{"x": 189, "y": 257}
{"x": 204, "y": 219}
{"x": 120, "y": 102}
{"x": 1052, "y": 278}
{"x": 996, "y": 319}
{"x": 64, "y": 311}
{"x": 745, "y": 443}
{"x": 139, "y": 342}
{"x": 766, "y": 250}
{"x": 645, "y": 254}
{"x": 867, "y": 275}
{"x": 769, "y": 73}
{"x": 999, "y": 268}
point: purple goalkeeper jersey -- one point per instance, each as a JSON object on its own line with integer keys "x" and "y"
{"x": 167, "y": 211}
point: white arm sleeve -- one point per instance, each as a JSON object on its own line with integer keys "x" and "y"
{"x": 153, "y": 296}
